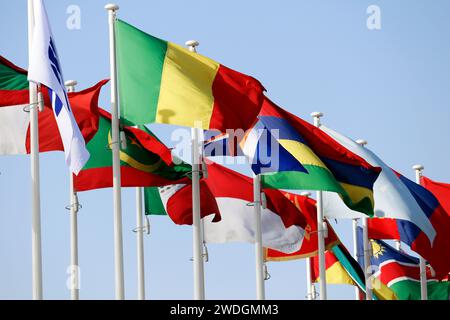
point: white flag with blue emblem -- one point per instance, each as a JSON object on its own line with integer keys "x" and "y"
{"x": 45, "y": 68}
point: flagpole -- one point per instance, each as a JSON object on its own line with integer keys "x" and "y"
{"x": 320, "y": 229}
{"x": 366, "y": 245}
{"x": 199, "y": 277}
{"x": 310, "y": 294}
{"x": 423, "y": 268}
{"x": 355, "y": 249}
{"x": 36, "y": 246}
{"x": 140, "y": 245}
{"x": 259, "y": 255}
{"x": 74, "y": 206}
{"x": 115, "y": 146}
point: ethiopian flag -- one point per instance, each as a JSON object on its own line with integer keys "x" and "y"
{"x": 160, "y": 81}
{"x": 144, "y": 162}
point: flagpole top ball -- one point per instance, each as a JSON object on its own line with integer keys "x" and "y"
{"x": 361, "y": 142}
{"x": 192, "y": 43}
{"x": 305, "y": 194}
{"x": 316, "y": 114}
{"x": 112, "y": 7}
{"x": 70, "y": 83}
{"x": 418, "y": 167}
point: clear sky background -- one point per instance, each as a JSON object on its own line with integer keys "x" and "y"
{"x": 388, "y": 86}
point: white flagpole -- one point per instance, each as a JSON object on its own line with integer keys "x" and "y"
{"x": 355, "y": 249}
{"x": 423, "y": 268}
{"x": 320, "y": 229}
{"x": 199, "y": 277}
{"x": 36, "y": 249}
{"x": 367, "y": 248}
{"x": 115, "y": 146}
{"x": 259, "y": 255}
{"x": 74, "y": 206}
{"x": 310, "y": 292}
{"x": 140, "y": 245}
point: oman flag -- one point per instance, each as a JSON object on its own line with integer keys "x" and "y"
{"x": 144, "y": 161}
{"x": 15, "y": 121}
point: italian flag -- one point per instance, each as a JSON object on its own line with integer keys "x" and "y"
{"x": 160, "y": 81}
{"x": 144, "y": 162}
{"x": 283, "y": 226}
{"x": 15, "y": 121}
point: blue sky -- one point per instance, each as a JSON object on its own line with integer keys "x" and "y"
{"x": 388, "y": 86}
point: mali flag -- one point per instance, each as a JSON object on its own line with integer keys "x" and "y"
{"x": 328, "y": 165}
{"x": 144, "y": 162}
{"x": 162, "y": 82}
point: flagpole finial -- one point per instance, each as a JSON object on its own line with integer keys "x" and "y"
{"x": 70, "y": 83}
{"x": 305, "y": 194}
{"x": 112, "y": 7}
{"x": 192, "y": 44}
{"x": 361, "y": 142}
{"x": 418, "y": 167}
{"x": 317, "y": 115}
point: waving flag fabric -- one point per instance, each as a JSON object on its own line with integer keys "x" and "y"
{"x": 341, "y": 268}
{"x": 401, "y": 272}
{"x": 392, "y": 197}
{"x": 144, "y": 162}
{"x": 162, "y": 82}
{"x": 329, "y": 166}
{"x": 438, "y": 253}
{"x": 15, "y": 122}
{"x": 45, "y": 68}
{"x": 440, "y": 190}
{"x": 307, "y": 208}
{"x": 282, "y": 224}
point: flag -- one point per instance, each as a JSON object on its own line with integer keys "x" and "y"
{"x": 45, "y": 68}
{"x": 144, "y": 162}
{"x": 401, "y": 272}
{"x": 160, "y": 81}
{"x": 437, "y": 253}
{"x": 341, "y": 268}
{"x": 282, "y": 224}
{"x": 221, "y": 144}
{"x": 307, "y": 208}
{"x": 15, "y": 122}
{"x": 440, "y": 190}
{"x": 329, "y": 166}
{"x": 392, "y": 198}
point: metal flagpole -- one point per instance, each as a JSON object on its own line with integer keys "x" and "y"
{"x": 74, "y": 206}
{"x": 367, "y": 248}
{"x": 320, "y": 229}
{"x": 199, "y": 277}
{"x": 140, "y": 245}
{"x": 310, "y": 292}
{"x": 355, "y": 249}
{"x": 115, "y": 146}
{"x": 259, "y": 255}
{"x": 423, "y": 268}
{"x": 36, "y": 247}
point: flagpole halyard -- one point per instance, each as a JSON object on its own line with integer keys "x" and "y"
{"x": 115, "y": 146}
{"x": 36, "y": 246}
{"x": 74, "y": 206}
{"x": 320, "y": 229}
{"x": 199, "y": 277}
{"x": 423, "y": 267}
